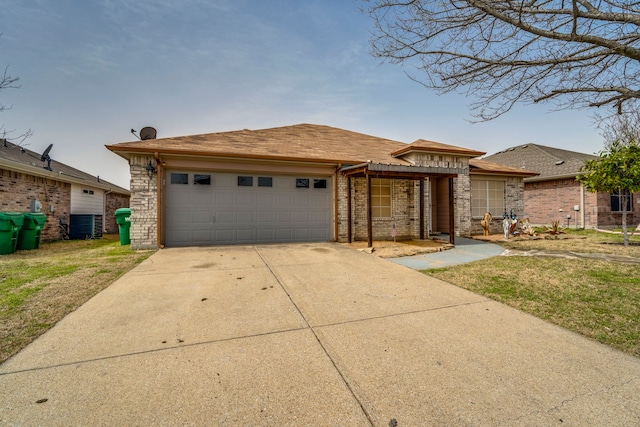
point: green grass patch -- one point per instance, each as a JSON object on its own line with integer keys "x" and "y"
{"x": 598, "y": 299}
{"x": 39, "y": 287}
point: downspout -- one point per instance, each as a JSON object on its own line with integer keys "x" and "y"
{"x": 159, "y": 227}
{"x": 582, "y": 214}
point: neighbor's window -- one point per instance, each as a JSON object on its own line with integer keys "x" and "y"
{"x": 487, "y": 196}
{"x": 616, "y": 202}
{"x": 179, "y": 178}
{"x": 245, "y": 181}
{"x": 199, "y": 179}
{"x": 381, "y": 198}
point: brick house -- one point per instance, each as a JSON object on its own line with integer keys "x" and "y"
{"x": 555, "y": 194}
{"x": 79, "y": 199}
{"x": 308, "y": 183}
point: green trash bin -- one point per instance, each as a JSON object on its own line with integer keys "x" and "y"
{"x": 123, "y": 219}
{"x": 29, "y": 236}
{"x": 10, "y": 225}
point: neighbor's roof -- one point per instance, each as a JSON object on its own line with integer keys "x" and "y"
{"x": 550, "y": 163}
{"x": 15, "y": 157}
{"x": 303, "y": 143}
{"x": 486, "y": 167}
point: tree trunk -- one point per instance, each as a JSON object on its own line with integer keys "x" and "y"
{"x": 624, "y": 199}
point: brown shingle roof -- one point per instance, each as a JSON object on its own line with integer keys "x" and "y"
{"x": 304, "y": 142}
{"x": 436, "y": 147}
{"x": 484, "y": 166}
{"x": 550, "y": 163}
{"x": 14, "y": 156}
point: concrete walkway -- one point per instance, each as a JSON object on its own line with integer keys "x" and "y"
{"x": 465, "y": 250}
{"x": 308, "y": 335}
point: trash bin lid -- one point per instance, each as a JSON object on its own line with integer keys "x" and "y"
{"x": 36, "y": 217}
{"x": 123, "y": 211}
{"x": 16, "y": 218}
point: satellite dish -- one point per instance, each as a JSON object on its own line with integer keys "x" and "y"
{"x": 45, "y": 155}
{"x": 46, "y": 158}
{"x": 147, "y": 133}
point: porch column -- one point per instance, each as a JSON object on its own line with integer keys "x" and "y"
{"x": 349, "y": 239}
{"x": 369, "y": 214}
{"x": 452, "y": 221}
{"x": 422, "y": 209}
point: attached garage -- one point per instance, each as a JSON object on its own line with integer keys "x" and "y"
{"x": 209, "y": 208}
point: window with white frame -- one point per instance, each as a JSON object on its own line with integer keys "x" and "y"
{"x": 380, "y": 198}
{"x": 487, "y": 196}
{"x": 617, "y": 202}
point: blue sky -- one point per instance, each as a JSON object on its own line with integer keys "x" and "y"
{"x": 92, "y": 70}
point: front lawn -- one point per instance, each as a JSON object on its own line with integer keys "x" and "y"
{"x": 598, "y": 299}
{"x": 40, "y": 287}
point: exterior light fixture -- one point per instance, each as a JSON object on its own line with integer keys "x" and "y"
{"x": 150, "y": 169}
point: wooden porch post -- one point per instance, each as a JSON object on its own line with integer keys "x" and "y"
{"x": 349, "y": 209}
{"x": 369, "y": 214}
{"x": 451, "y": 213}
{"x": 422, "y": 209}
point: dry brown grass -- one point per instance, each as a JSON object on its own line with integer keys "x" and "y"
{"x": 38, "y": 288}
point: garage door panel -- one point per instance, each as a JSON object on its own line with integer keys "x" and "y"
{"x": 245, "y": 217}
{"x": 226, "y": 213}
{"x": 224, "y": 217}
{"x": 202, "y": 217}
{"x": 266, "y": 217}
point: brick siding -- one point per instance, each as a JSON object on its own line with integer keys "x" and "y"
{"x": 547, "y": 201}
{"x": 17, "y": 190}
{"x": 114, "y": 201}
{"x": 143, "y": 204}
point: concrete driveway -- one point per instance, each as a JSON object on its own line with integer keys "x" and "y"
{"x": 308, "y": 335}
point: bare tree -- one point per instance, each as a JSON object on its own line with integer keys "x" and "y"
{"x": 575, "y": 53}
{"x": 10, "y": 82}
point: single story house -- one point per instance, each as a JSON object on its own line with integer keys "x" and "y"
{"x": 309, "y": 183}
{"x": 554, "y": 194}
{"x": 84, "y": 202}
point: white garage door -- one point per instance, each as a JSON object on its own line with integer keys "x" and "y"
{"x": 225, "y": 208}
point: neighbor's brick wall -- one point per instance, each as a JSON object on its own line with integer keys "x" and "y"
{"x": 114, "y": 201}
{"x": 143, "y": 204}
{"x": 17, "y": 190}
{"x": 545, "y": 199}
{"x": 608, "y": 219}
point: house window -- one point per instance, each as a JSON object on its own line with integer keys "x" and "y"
{"x": 265, "y": 181}
{"x": 381, "y": 198}
{"x": 487, "y": 196}
{"x": 84, "y": 191}
{"x": 199, "y": 179}
{"x": 245, "y": 181}
{"x": 302, "y": 183}
{"x": 180, "y": 178}
{"x": 319, "y": 183}
{"x": 616, "y": 202}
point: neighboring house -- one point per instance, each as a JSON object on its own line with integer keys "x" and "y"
{"x": 84, "y": 202}
{"x": 308, "y": 183}
{"x": 556, "y": 195}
